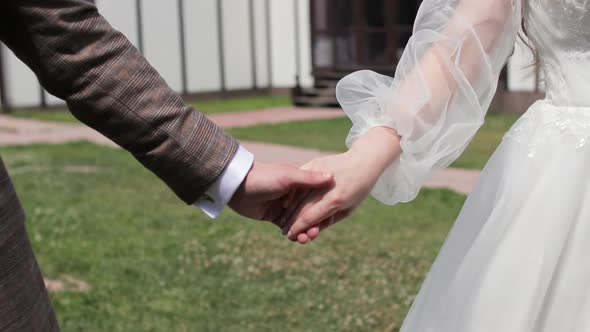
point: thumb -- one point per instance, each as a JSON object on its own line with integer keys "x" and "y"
{"x": 309, "y": 179}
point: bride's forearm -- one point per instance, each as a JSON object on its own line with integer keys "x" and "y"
{"x": 378, "y": 148}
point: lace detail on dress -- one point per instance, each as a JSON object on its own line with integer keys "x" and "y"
{"x": 544, "y": 122}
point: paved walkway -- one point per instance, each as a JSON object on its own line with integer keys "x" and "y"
{"x": 15, "y": 131}
{"x": 274, "y": 116}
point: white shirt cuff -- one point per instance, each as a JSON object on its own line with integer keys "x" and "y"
{"x": 221, "y": 192}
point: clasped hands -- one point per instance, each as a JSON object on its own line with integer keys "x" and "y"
{"x": 303, "y": 202}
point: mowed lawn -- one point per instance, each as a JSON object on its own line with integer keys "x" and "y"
{"x": 209, "y": 106}
{"x": 154, "y": 264}
{"x": 329, "y": 135}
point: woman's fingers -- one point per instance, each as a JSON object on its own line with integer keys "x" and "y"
{"x": 313, "y": 213}
{"x": 341, "y": 215}
{"x": 315, "y": 231}
{"x": 303, "y": 239}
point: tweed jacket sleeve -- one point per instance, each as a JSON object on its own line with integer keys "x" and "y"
{"x": 109, "y": 86}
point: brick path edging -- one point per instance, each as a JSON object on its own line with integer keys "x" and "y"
{"x": 15, "y": 131}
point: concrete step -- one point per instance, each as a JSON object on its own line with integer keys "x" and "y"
{"x": 325, "y": 83}
{"x": 318, "y": 92}
{"x": 323, "y": 101}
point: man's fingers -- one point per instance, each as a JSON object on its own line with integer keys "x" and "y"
{"x": 303, "y": 203}
{"x": 287, "y": 213}
{"x": 288, "y": 200}
{"x": 312, "y": 216}
{"x": 273, "y": 213}
{"x": 315, "y": 231}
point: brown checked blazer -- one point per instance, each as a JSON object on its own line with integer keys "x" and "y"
{"x": 109, "y": 86}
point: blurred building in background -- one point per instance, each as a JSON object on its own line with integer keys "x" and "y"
{"x": 233, "y": 47}
{"x": 349, "y": 35}
{"x": 199, "y": 46}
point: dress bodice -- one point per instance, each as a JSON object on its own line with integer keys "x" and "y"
{"x": 560, "y": 32}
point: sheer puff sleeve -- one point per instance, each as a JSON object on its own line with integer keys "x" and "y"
{"x": 443, "y": 86}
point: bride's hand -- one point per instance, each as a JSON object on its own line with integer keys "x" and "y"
{"x": 311, "y": 211}
{"x": 355, "y": 174}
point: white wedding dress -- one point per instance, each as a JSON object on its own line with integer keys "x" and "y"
{"x": 518, "y": 256}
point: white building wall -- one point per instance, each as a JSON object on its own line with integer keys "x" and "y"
{"x": 121, "y": 14}
{"x": 305, "y": 43}
{"x": 162, "y": 47}
{"x": 282, "y": 43}
{"x": 261, "y": 26}
{"x": 22, "y": 87}
{"x": 237, "y": 44}
{"x": 161, "y": 39}
{"x": 202, "y": 46}
{"x": 122, "y": 17}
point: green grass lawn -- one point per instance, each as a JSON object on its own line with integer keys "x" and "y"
{"x": 330, "y": 134}
{"x": 156, "y": 265}
{"x": 241, "y": 104}
{"x": 210, "y": 106}
{"x": 55, "y": 115}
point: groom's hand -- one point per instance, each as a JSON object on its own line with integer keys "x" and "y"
{"x": 261, "y": 195}
{"x": 312, "y": 211}
{"x": 355, "y": 174}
